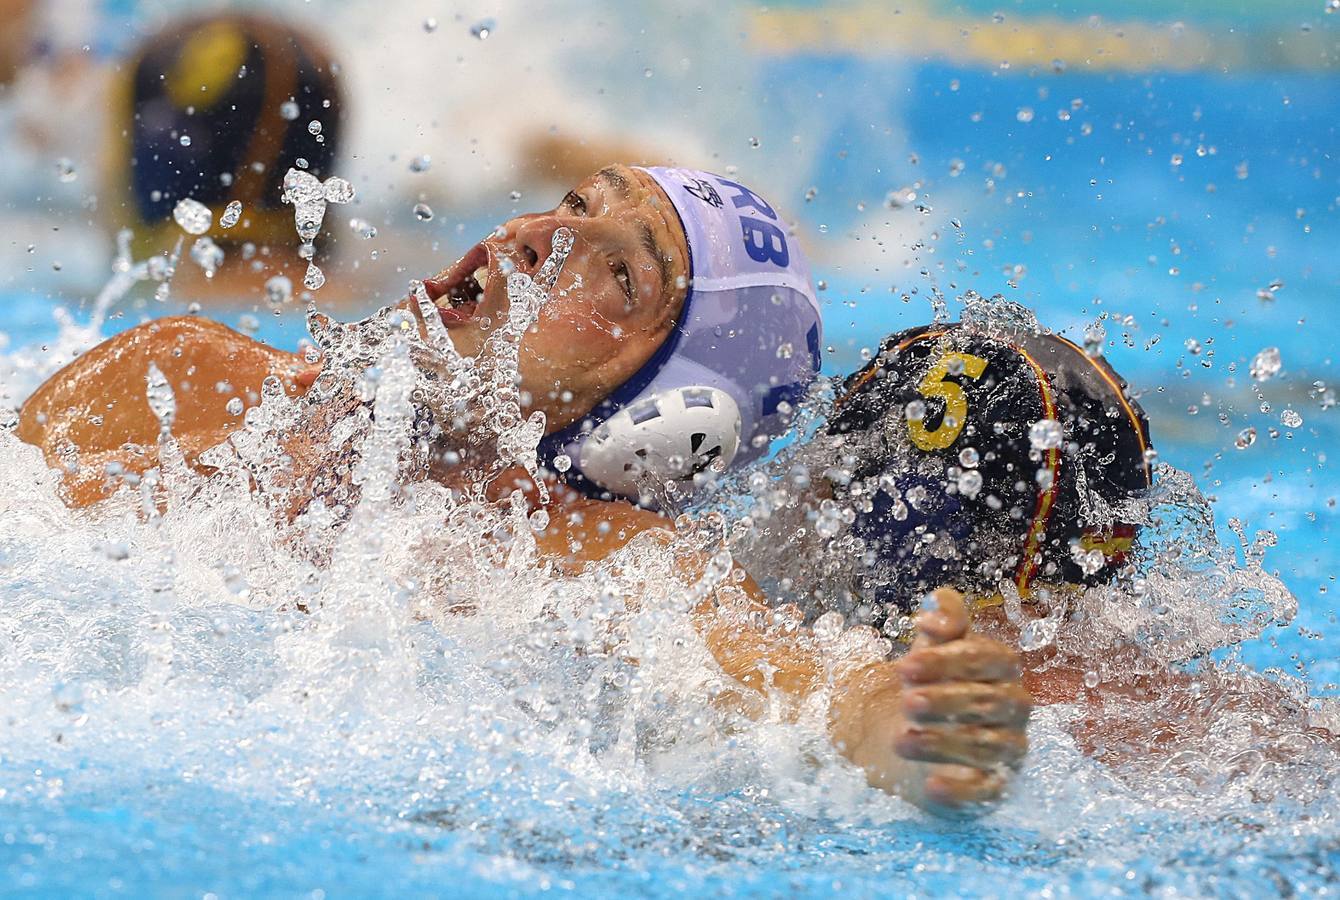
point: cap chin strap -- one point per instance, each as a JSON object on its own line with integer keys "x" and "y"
{"x": 671, "y": 435}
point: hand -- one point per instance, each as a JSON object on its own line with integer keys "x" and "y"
{"x": 962, "y": 710}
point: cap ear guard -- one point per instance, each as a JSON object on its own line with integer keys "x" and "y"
{"x": 673, "y": 434}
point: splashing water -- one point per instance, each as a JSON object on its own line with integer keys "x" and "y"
{"x": 193, "y": 216}
{"x": 309, "y": 196}
{"x": 207, "y": 255}
{"x": 397, "y": 670}
{"x": 232, "y": 214}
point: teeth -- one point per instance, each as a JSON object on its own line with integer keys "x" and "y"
{"x": 482, "y": 277}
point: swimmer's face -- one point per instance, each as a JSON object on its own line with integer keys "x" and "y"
{"x": 615, "y": 301}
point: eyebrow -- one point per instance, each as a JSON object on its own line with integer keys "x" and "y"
{"x": 620, "y": 183}
{"x": 616, "y": 178}
{"x": 649, "y": 244}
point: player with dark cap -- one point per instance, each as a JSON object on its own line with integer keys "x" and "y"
{"x": 985, "y": 456}
{"x": 217, "y": 108}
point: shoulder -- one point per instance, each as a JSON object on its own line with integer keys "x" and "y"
{"x": 582, "y": 531}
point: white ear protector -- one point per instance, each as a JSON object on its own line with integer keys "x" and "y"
{"x": 672, "y": 434}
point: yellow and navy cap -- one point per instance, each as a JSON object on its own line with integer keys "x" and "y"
{"x": 217, "y": 108}
{"x": 1058, "y": 446}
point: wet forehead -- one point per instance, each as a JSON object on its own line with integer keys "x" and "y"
{"x": 617, "y": 182}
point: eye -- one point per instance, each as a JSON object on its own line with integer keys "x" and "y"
{"x": 574, "y": 202}
{"x": 625, "y": 279}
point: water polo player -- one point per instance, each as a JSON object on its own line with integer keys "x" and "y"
{"x": 984, "y": 454}
{"x": 681, "y": 329}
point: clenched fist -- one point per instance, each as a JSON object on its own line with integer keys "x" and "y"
{"x": 941, "y": 726}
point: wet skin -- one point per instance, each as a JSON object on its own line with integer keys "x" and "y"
{"x": 940, "y": 726}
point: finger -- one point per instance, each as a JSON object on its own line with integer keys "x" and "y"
{"x": 952, "y": 785}
{"x": 945, "y": 618}
{"x": 968, "y": 702}
{"x": 970, "y": 659}
{"x": 982, "y": 746}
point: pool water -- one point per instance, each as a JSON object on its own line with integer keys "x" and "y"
{"x": 164, "y": 731}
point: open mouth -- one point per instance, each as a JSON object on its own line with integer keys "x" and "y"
{"x": 458, "y": 291}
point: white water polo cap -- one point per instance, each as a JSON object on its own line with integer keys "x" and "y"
{"x": 726, "y": 380}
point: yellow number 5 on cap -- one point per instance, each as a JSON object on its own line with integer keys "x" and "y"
{"x": 956, "y": 404}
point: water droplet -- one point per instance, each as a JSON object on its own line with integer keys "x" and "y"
{"x": 231, "y": 214}
{"x": 562, "y": 462}
{"x": 363, "y": 228}
{"x": 207, "y": 255}
{"x": 314, "y": 127}
{"x": 900, "y": 198}
{"x": 1290, "y": 419}
{"x": 338, "y": 190}
{"x": 314, "y": 277}
{"x": 1091, "y": 679}
{"x": 970, "y": 483}
{"x": 288, "y": 110}
{"x": 1094, "y": 335}
{"x": 278, "y": 290}
{"x": 483, "y": 28}
{"x": 430, "y": 24}
{"x": 1025, "y": 114}
{"x": 234, "y": 406}
{"x": 1266, "y": 364}
{"x": 811, "y": 193}
{"x": 184, "y": 140}
{"x": 423, "y": 212}
{"x": 1046, "y": 434}
{"x": 968, "y": 457}
{"x": 193, "y": 216}
{"x": 1246, "y": 437}
{"x": 421, "y": 163}
{"x": 162, "y": 402}
{"x": 916, "y": 411}
{"x": 65, "y": 170}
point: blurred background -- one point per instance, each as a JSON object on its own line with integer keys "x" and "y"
{"x": 1159, "y": 177}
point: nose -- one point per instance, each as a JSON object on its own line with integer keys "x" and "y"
{"x": 532, "y": 237}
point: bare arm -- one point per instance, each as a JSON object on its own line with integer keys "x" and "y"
{"x": 939, "y": 727}
{"x": 94, "y": 411}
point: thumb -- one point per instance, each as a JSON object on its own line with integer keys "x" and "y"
{"x": 943, "y": 618}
